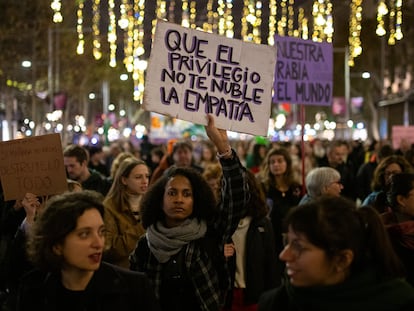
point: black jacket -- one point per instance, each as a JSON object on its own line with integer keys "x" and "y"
{"x": 111, "y": 288}
{"x": 261, "y": 270}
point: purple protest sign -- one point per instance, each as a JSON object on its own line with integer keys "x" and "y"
{"x": 303, "y": 72}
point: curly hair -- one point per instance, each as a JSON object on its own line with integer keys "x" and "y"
{"x": 256, "y": 206}
{"x": 58, "y": 219}
{"x": 204, "y": 202}
{"x": 379, "y": 182}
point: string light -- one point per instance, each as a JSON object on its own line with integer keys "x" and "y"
{"x": 303, "y": 24}
{"x": 185, "y": 17}
{"x": 140, "y": 65}
{"x": 272, "y": 22}
{"x": 354, "y": 40}
{"x": 112, "y": 33}
{"x": 79, "y": 29}
{"x": 391, "y": 38}
{"x": 282, "y": 23}
{"x": 126, "y": 23}
{"x": 291, "y": 16}
{"x": 382, "y": 10}
{"x": 208, "y": 26}
{"x": 97, "y": 54}
{"x": 193, "y": 14}
{"x": 398, "y": 20}
{"x": 56, "y": 6}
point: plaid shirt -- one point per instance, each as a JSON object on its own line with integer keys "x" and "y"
{"x": 198, "y": 262}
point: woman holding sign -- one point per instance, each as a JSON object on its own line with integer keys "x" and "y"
{"x": 182, "y": 251}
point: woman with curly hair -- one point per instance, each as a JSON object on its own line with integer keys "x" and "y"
{"x": 388, "y": 167}
{"x": 182, "y": 251}
{"x": 66, "y": 246}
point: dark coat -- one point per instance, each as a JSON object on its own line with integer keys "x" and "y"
{"x": 261, "y": 268}
{"x": 111, "y": 288}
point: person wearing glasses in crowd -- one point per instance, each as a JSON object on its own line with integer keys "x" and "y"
{"x": 322, "y": 181}
{"x": 338, "y": 258}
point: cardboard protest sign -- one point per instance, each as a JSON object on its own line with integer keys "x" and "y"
{"x": 304, "y": 72}
{"x": 401, "y": 133}
{"x": 33, "y": 165}
{"x": 193, "y": 73}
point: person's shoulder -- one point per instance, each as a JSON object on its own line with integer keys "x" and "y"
{"x": 272, "y": 299}
{"x": 121, "y": 276}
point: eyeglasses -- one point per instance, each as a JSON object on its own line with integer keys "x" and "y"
{"x": 295, "y": 246}
{"x": 338, "y": 182}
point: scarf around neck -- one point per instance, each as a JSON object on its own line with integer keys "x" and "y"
{"x": 166, "y": 242}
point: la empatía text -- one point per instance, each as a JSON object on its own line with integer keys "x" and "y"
{"x": 204, "y": 78}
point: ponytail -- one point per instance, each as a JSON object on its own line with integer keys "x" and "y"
{"x": 377, "y": 245}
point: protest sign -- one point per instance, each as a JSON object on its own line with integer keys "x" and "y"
{"x": 33, "y": 164}
{"x": 192, "y": 73}
{"x": 304, "y": 72}
{"x": 402, "y": 134}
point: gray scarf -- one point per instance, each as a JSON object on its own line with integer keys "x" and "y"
{"x": 166, "y": 242}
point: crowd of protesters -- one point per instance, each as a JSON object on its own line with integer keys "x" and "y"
{"x": 231, "y": 214}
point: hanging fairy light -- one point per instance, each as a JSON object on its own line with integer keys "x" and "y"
{"x": 354, "y": 40}
{"x": 79, "y": 29}
{"x": 208, "y": 26}
{"x": 139, "y": 64}
{"x": 382, "y": 10}
{"x": 193, "y": 14}
{"x": 126, "y": 23}
{"x": 225, "y": 18}
{"x": 391, "y": 38}
{"x": 398, "y": 20}
{"x": 56, "y": 6}
{"x": 185, "y": 17}
{"x": 257, "y": 23}
{"x": 96, "y": 17}
{"x": 171, "y": 9}
{"x": 160, "y": 13}
{"x": 303, "y": 24}
{"x": 329, "y": 30}
{"x": 272, "y": 22}
{"x": 112, "y": 33}
{"x": 282, "y": 23}
{"x": 246, "y": 17}
{"x": 291, "y": 16}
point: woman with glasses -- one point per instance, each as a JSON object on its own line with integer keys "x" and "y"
{"x": 322, "y": 181}
{"x": 338, "y": 258}
{"x": 400, "y": 220}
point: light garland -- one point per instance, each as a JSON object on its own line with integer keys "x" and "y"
{"x": 398, "y": 20}
{"x": 126, "y": 23}
{"x": 96, "y": 17}
{"x": 282, "y": 23}
{"x": 391, "y": 38}
{"x": 291, "y": 17}
{"x": 185, "y": 17}
{"x": 354, "y": 40}
{"x": 303, "y": 25}
{"x": 56, "y": 6}
{"x": 80, "y": 49}
{"x": 382, "y": 10}
{"x": 193, "y": 14}
{"x": 140, "y": 65}
{"x": 208, "y": 26}
{"x": 272, "y": 22}
{"x": 112, "y": 33}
